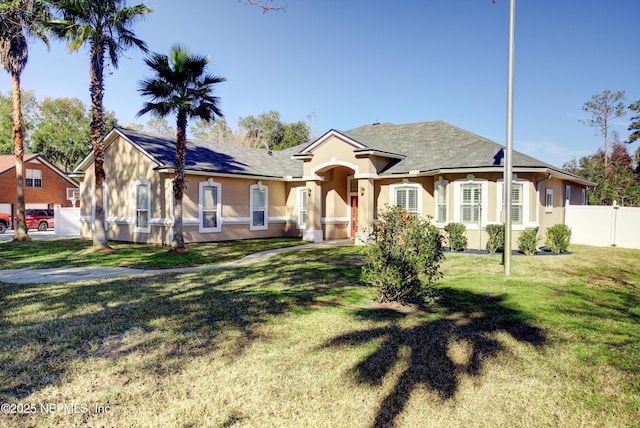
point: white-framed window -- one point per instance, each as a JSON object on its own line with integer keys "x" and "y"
{"x": 549, "y": 200}
{"x": 142, "y": 206}
{"x": 34, "y": 178}
{"x": 258, "y": 203}
{"x": 407, "y": 196}
{"x": 567, "y": 193}
{"x": 441, "y": 200}
{"x": 210, "y": 206}
{"x": 471, "y": 205}
{"x": 519, "y": 200}
{"x": 470, "y": 198}
{"x": 302, "y": 207}
{"x": 584, "y": 196}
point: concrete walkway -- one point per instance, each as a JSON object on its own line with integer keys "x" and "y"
{"x": 88, "y": 273}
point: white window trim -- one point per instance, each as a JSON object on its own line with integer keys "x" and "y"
{"x": 301, "y": 192}
{"x": 201, "y": 186}
{"x": 584, "y": 196}
{"x": 265, "y": 226}
{"x": 526, "y": 221}
{"x": 548, "y": 192}
{"x": 457, "y": 201}
{"x": 29, "y": 175}
{"x": 436, "y": 196}
{"x": 394, "y": 187}
{"x": 144, "y": 182}
{"x": 567, "y": 194}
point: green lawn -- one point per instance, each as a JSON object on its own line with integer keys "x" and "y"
{"x": 298, "y": 341}
{"x": 78, "y": 252}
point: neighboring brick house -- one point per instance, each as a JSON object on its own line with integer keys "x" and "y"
{"x": 45, "y": 184}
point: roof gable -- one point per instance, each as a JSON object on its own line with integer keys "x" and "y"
{"x": 208, "y": 157}
{"x": 8, "y": 162}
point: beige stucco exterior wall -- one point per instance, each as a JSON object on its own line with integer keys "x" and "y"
{"x": 336, "y": 152}
{"x": 235, "y": 210}
{"x": 125, "y": 165}
{"x": 557, "y": 214}
{"x": 383, "y": 193}
{"x": 326, "y": 183}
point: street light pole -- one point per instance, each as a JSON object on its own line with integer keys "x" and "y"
{"x": 508, "y": 166}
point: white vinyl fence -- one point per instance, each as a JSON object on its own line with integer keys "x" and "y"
{"x": 604, "y": 226}
{"x": 67, "y": 221}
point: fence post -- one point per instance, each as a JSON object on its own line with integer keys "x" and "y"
{"x": 615, "y": 223}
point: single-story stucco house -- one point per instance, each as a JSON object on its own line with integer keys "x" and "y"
{"x": 329, "y": 189}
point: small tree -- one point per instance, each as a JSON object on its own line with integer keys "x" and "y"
{"x": 403, "y": 257}
{"x": 634, "y": 126}
{"x": 604, "y": 108}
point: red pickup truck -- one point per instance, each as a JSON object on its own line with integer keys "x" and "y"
{"x": 5, "y": 221}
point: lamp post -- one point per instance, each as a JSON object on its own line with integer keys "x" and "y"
{"x": 508, "y": 167}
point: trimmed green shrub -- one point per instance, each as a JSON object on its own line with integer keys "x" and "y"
{"x": 558, "y": 238}
{"x": 496, "y": 237}
{"x": 456, "y": 236}
{"x": 403, "y": 257}
{"x": 528, "y": 241}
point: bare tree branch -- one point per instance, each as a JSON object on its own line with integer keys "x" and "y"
{"x": 266, "y": 5}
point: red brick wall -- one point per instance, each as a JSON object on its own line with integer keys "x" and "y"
{"x": 53, "y": 190}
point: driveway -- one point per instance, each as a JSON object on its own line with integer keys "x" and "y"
{"x": 37, "y": 235}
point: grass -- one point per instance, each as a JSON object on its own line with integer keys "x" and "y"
{"x": 298, "y": 341}
{"x": 78, "y": 252}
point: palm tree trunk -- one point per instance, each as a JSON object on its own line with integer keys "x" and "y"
{"x": 20, "y": 232}
{"x": 178, "y": 183}
{"x": 96, "y": 70}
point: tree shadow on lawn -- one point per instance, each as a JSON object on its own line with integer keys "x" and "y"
{"x": 46, "y": 328}
{"x": 464, "y": 317}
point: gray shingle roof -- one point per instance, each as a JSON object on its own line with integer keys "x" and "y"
{"x": 435, "y": 145}
{"x": 218, "y": 157}
{"x": 424, "y": 147}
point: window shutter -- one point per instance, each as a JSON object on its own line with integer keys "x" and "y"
{"x": 412, "y": 200}
{"x": 401, "y": 197}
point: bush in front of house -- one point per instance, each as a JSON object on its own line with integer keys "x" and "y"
{"x": 528, "y": 241}
{"x": 558, "y": 238}
{"x": 403, "y": 257}
{"x": 456, "y": 236}
{"x": 496, "y": 237}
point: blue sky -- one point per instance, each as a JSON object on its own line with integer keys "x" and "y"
{"x": 355, "y": 62}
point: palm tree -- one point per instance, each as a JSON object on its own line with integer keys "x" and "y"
{"x": 181, "y": 86}
{"x": 105, "y": 25}
{"x": 18, "y": 20}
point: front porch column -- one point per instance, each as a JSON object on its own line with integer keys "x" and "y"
{"x": 313, "y": 232}
{"x": 366, "y": 209}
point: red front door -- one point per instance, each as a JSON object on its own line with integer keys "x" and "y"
{"x": 354, "y": 215}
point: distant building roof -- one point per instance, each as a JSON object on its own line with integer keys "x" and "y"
{"x": 8, "y": 162}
